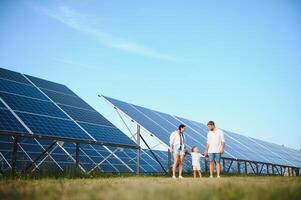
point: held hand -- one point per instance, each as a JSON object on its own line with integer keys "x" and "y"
{"x": 222, "y": 150}
{"x": 205, "y": 153}
{"x": 170, "y": 149}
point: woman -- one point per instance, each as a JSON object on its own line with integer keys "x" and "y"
{"x": 177, "y": 146}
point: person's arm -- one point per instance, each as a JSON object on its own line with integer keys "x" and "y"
{"x": 171, "y": 141}
{"x": 207, "y": 146}
{"x": 206, "y": 151}
{"x": 223, "y": 143}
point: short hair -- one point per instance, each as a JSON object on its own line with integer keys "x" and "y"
{"x": 193, "y": 148}
{"x": 211, "y": 123}
{"x": 181, "y": 126}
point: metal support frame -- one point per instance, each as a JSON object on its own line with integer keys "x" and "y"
{"x": 262, "y": 165}
{"x": 6, "y": 161}
{"x": 14, "y": 156}
{"x": 252, "y": 168}
{"x": 230, "y": 166}
{"x": 268, "y": 169}
{"x": 257, "y": 169}
{"x": 206, "y": 166}
{"x": 246, "y": 167}
{"x": 273, "y": 171}
{"x": 39, "y": 157}
{"x": 224, "y": 165}
{"x": 154, "y": 155}
{"x": 77, "y": 152}
{"x": 238, "y": 167}
{"x": 277, "y": 170}
{"x": 169, "y": 161}
{"x": 138, "y": 150}
{"x": 138, "y": 138}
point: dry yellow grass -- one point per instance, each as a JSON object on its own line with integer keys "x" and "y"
{"x": 154, "y": 188}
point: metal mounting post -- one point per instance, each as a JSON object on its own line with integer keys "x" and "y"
{"x": 14, "y": 157}
{"x": 77, "y": 151}
{"x": 138, "y": 150}
{"x": 168, "y": 161}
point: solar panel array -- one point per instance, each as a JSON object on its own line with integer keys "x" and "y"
{"x": 33, "y": 106}
{"x": 237, "y": 146}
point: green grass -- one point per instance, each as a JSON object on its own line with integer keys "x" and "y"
{"x": 154, "y": 188}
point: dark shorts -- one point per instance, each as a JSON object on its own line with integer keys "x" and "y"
{"x": 214, "y": 157}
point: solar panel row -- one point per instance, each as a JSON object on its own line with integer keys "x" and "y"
{"x": 237, "y": 146}
{"x": 30, "y": 105}
{"x": 51, "y": 109}
{"x": 91, "y": 157}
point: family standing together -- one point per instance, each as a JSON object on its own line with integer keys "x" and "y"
{"x": 215, "y": 147}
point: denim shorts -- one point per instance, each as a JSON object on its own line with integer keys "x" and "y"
{"x": 214, "y": 157}
{"x": 177, "y": 151}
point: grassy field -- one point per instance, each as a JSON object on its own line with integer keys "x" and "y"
{"x": 153, "y": 188}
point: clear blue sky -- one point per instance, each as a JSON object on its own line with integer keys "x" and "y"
{"x": 235, "y": 62}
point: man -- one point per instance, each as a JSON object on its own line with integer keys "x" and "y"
{"x": 215, "y": 147}
{"x": 177, "y": 146}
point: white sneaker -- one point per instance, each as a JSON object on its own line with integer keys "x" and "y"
{"x": 210, "y": 176}
{"x": 218, "y": 177}
{"x": 174, "y": 177}
{"x": 181, "y": 177}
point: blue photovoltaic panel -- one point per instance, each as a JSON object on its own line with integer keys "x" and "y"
{"x": 21, "y": 89}
{"x": 107, "y": 134}
{"x": 8, "y": 122}
{"x": 89, "y": 116}
{"x": 1, "y": 104}
{"x": 45, "y": 118}
{"x": 150, "y": 125}
{"x": 238, "y": 146}
{"x": 11, "y": 75}
{"x": 67, "y": 99}
{"x": 99, "y": 127}
{"x": 30, "y": 105}
{"x": 50, "y": 85}
{"x": 52, "y": 126}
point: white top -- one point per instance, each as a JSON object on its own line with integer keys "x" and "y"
{"x": 175, "y": 140}
{"x": 196, "y": 158}
{"x": 215, "y": 139}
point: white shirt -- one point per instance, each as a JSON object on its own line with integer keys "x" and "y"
{"x": 195, "y": 158}
{"x": 175, "y": 140}
{"x": 215, "y": 139}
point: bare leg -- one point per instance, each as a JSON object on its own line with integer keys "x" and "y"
{"x": 211, "y": 168}
{"x": 181, "y": 165}
{"x": 200, "y": 174}
{"x": 218, "y": 168}
{"x": 194, "y": 173}
{"x": 175, "y": 163}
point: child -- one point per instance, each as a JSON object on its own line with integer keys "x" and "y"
{"x": 195, "y": 155}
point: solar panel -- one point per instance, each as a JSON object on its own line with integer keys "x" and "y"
{"x": 2, "y": 105}
{"x": 26, "y": 104}
{"x": 67, "y": 99}
{"x": 51, "y": 109}
{"x": 51, "y": 126}
{"x": 82, "y": 115}
{"x": 8, "y": 122}
{"x": 108, "y": 134}
{"x": 11, "y": 75}
{"x": 43, "y": 117}
{"x": 7, "y": 86}
{"x": 51, "y": 85}
{"x": 237, "y": 146}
